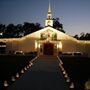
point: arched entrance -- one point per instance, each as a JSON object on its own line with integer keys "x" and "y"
{"x": 48, "y": 49}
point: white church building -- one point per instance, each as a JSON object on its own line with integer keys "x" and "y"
{"x": 47, "y": 41}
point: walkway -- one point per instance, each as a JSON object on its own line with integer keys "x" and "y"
{"x": 45, "y": 74}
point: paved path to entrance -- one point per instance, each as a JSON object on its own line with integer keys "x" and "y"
{"x": 45, "y": 74}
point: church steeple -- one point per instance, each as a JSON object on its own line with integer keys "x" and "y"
{"x": 49, "y": 14}
{"x": 49, "y": 20}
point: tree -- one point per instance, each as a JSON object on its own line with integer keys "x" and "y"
{"x": 82, "y": 36}
{"x": 87, "y": 36}
{"x": 57, "y": 25}
{"x": 38, "y": 26}
{"x": 31, "y": 27}
{"x": 28, "y": 27}
{"x": 15, "y": 31}
{"x": 2, "y": 30}
{"x": 76, "y": 36}
{"x": 9, "y": 32}
{"x": 19, "y": 31}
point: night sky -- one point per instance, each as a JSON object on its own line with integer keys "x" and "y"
{"x": 74, "y": 14}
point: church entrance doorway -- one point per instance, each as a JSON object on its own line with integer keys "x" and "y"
{"x": 48, "y": 49}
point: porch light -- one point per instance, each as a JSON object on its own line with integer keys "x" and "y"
{"x": 60, "y": 45}
{"x": 39, "y": 45}
{"x": 36, "y": 45}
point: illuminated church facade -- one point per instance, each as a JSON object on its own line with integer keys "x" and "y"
{"x": 47, "y": 41}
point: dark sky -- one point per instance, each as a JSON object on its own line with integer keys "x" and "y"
{"x": 74, "y": 14}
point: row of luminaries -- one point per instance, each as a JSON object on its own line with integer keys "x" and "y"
{"x": 13, "y": 66}
{"x": 78, "y": 69}
{"x": 70, "y": 84}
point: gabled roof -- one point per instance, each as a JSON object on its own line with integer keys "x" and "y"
{"x": 60, "y": 35}
{"x": 37, "y": 35}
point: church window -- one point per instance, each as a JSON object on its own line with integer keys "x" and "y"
{"x": 54, "y": 36}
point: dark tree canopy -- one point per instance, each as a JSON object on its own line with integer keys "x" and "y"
{"x": 2, "y": 30}
{"x": 76, "y": 36}
{"x": 15, "y": 31}
{"x": 57, "y": 25}
{"x": 83, "y": 36}
{"x": 20, "y": 30}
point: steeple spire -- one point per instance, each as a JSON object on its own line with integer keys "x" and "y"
{"x": 49, "y": 20}
{"x": 49, "y": 8}
{"x": 49, "y": 14}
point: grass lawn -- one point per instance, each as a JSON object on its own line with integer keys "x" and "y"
{"x": 11, "y": 64}
{"x": 78, "y": 69}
